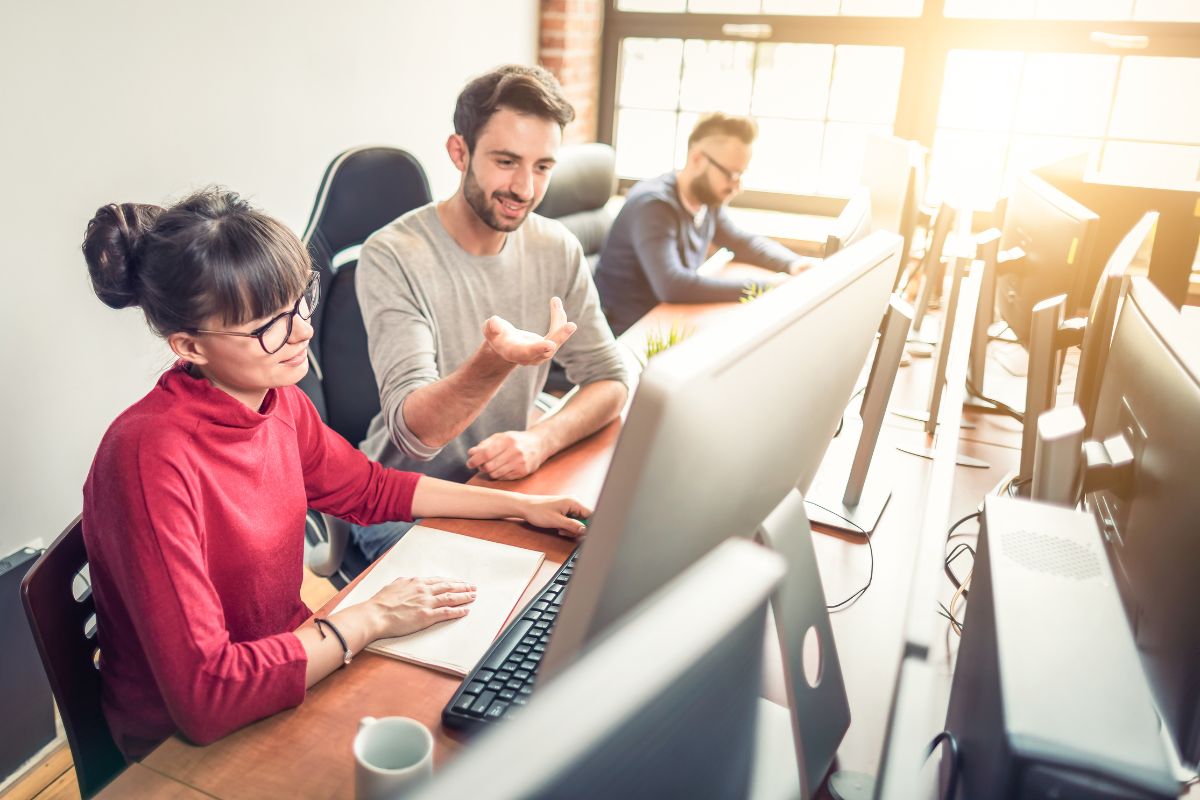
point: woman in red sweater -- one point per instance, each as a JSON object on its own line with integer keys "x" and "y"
{"x": 194, "y": 507}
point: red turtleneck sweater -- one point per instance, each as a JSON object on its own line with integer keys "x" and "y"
{"x": 193, "y": 517}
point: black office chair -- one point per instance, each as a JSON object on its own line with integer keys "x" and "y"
{"x": 585, "y": 178}
{"x": 61, "y": 614}
{"x": 363, "y": 189}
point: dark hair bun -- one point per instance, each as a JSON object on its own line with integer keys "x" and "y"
{"x": 111, "y": 247}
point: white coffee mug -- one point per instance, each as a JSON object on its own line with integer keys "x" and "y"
{"x": 390, "y": 754}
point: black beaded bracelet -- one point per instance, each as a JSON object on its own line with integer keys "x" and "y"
{"x": 324, "y": 623}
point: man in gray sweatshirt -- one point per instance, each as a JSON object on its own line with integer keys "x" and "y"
{"x": 467, "y": 300}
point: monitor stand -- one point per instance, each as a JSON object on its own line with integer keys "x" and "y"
{"x": 819, "y": 708}
{"x": 855, "y": 502}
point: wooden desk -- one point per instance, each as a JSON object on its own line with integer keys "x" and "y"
{"x": 305, "y": 752}
{"x": 139, "y": 781}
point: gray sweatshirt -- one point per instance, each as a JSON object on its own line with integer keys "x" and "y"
{"x": 424, "y": 301}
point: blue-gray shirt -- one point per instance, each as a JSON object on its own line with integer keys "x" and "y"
{"x": 656, "y": 245}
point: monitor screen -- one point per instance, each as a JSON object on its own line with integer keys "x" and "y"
{"x": 1057, "y": 234}
{"x": 664, "y": 705}
{"x": 1150, "y": 394}
{"x": 722, "y": 427}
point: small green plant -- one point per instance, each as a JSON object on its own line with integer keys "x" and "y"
{"x": 753, "y": 291}
{"x": 662, "y": 339}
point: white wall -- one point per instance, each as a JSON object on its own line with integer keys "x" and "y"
{"x": 144, "y": 101}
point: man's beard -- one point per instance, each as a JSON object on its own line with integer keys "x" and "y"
{"x": 483, "y": 209}
{"x": 703, "y": 191}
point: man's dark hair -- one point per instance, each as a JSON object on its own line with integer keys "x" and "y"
{"x": 526, "y": 90}
{"x": 717, "y": 123}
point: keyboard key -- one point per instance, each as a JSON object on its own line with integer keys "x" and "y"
{"x": 522, "y": 649}
{"x": 521, "y": 675}
{"x": 533, "y": 616}
{"x": 525, "y": 691}
{"x": 514, "y": 634}
{"x": 520, "y": 701}
{"x": 514, "y": 663}
{"x": 484, "y": 675}
{"x": 504, "y": 674}
{"x": 496, "y": 711}
{"x": 482, "y": 703}
{"x": 475, "y": 687}
{"x": 539, "y": 648}
{"x": 507, "y": 694}
{"x": 463, "y": 704}
{"x": 534, "y": 658}
{"x": 514, "y": 684}
{"x": 496, "y": 686}
{"x": 541, "y": 605}
{"x": 528, "y": 666}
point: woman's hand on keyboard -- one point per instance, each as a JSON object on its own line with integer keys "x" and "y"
{"x": 561, "y": 513}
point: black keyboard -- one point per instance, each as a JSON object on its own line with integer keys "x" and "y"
{"x": 503, "y": 679}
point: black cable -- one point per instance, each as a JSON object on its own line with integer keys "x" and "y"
{"x": 959, "y": 549}
{"x": 956, "y": 525}
{"x": 842, "y": 420}
{"x": 1007, "y": 410}
{"x": 842, "y": 605}
{"x": 1014, "y": 484}
{"x": 952, "y": 782}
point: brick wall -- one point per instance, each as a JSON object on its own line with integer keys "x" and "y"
{"x": 569, "y": 46}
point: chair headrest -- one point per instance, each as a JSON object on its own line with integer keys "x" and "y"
{"x": 584, "y": 178}
{"x": 364, "y": 189}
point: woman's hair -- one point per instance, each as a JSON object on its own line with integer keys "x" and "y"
{"x": 209, "y": 255}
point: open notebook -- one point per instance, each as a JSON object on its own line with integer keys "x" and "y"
{"x": 500, "y": 572}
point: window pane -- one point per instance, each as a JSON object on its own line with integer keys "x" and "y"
{"x": 651, "y": 5}
{"x": 980, "y": 90}
{"x": 1066, "y": 94}
{"x": 990, "y": 9}
{"x": 650, "y": 72}
{"x": 842, "y": 156}
{"x": 1141, "y": 164}
{"x": 1084, "y": 9}
{"x": 792, "y": 80}
{"x": 1167, "y": 10}
{"x": 723, "y": 6}
{"x": 787, "y": 156}
{"x": 716, "y": 76}
{"x": 811, "y": 8}
{"x": 645, "y": 142}
{"x": 687, "y": 121}
{"x": 866, "y": 84}
{"x": 881, "y": 8}
{"x": 1042, "y": 9}
{"x": 1030, "y": 152}
{"x": 1143, "y": 110}
{"x": 966, "y": 168}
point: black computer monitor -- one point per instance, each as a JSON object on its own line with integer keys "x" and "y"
{"x": 1150, "y": 395}
{"x": 1131, "y": 254}
{"x": 1057, "y": 234}
{"x": 664, "y": 705}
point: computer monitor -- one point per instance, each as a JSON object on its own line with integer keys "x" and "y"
{"x": 722, "y": 427}
{"x": 665, "y": 704}
{"x": 1057, "y": 234}
{"x": 1132, "y": 254}
{"x": 1150, "y": 395}
{"x": 852, "y": 224}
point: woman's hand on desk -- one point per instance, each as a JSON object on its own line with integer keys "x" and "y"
{"x": 560, "y": 513}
